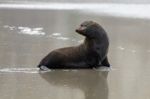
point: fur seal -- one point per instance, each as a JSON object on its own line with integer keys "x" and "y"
{"x": 92, "y": 53}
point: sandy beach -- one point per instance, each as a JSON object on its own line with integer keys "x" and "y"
{"x": 26, "y": 36}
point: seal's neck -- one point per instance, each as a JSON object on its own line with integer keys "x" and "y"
{"x": 89, "y": 43}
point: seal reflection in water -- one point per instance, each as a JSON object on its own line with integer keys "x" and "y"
{"x": 88, "y": 84}
{"x": 92, "y": 53}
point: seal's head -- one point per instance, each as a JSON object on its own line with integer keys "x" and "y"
{"x": 87, "y": 28}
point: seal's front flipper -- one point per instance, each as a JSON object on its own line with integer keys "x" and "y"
{"x": 105, "y": 62}
{"x": 44, "y": 68}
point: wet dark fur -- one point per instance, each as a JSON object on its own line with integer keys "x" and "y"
{"x": 92, "y": 53}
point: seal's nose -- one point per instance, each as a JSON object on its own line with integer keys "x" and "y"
{"x": 77, "y": 30}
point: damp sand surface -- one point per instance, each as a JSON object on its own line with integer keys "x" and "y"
{"x": 27, "y": 35}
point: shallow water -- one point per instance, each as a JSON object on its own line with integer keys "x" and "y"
{"x": 27, "y": 35}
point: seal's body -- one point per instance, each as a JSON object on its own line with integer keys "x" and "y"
{"x": 91, "y": 53}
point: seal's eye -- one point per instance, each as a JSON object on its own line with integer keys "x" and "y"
{"x": 84, "y": 25}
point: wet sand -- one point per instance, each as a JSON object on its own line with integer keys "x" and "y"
{"x": 26, "y": 36}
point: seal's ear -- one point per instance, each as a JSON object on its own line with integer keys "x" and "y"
{"x": 92, "y": 31}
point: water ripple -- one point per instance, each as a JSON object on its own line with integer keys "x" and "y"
{"x": 111, "y": 9}
{"x": 26, "y": 30}
{"x": 19, "y": 70}
{"x": 36, "y": 70}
